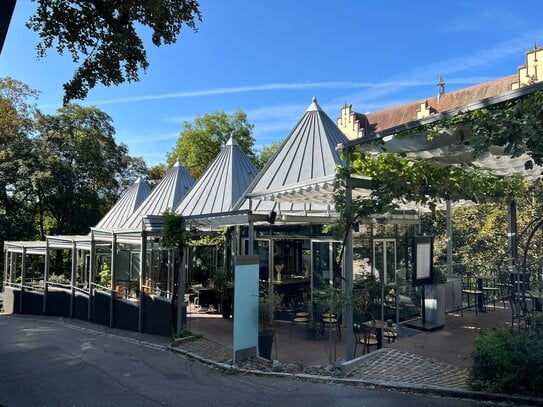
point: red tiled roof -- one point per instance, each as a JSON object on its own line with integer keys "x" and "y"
{"x": 394, "y": 116}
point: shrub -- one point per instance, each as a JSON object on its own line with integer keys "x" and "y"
{"x": 508, "y": 362}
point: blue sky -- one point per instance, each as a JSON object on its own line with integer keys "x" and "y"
{"x": 269, "y": 58}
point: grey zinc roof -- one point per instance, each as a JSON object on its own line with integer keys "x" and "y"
{"x": 166, "y": 195}
{"x": 125, "y": 206}
{"x": 221, "y": 185}
{"x": 308, "y": 153}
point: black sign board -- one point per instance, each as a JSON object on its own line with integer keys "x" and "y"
{"x": 423, "y": 253}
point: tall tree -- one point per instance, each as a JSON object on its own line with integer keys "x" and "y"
{"x": 102, "y": 35}
{"x": 17, "y": 110}
{"x": 266, "y": 153}
{"x": 156, "y": 173}
{"x": 201, "y": 140}
{"x": 80, "y": 167}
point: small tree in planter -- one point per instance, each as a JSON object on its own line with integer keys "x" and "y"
{"x": 333, "y": 301}
{"x": 269, "y": 301}
{"x": 176, "y": 236}
{"x": 222, "y": 283}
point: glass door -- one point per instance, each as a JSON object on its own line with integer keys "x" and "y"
{"x": 324, "y": 265}
{"x": 384, "y": 269}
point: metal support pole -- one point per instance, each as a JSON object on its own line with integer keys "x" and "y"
{"x": 512, "y": 242}
{"x": 6, "y": 265}
{"x": 113, "y": 276}
{"x": 12, "y": 265}
{"x": 348, "y": 264}
{"x": 143, "y": 262}
{"x": 250, "y": 236}
{"x": 46, "y": 276}
{"x": 23, "y": 277}
{"x": 180, "y": 294}
{"x": 449, "y": 238}
{"x": 92, "y": 266}
{"x": 72, "y": 280}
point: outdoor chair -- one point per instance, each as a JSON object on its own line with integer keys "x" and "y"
{"x": 390, "y": 334}
{"x": 504, "y": 286}
{"x": 331, "y": 321}
{"x": 364, "y": 333}
{"x": 522, "y": 310}
{"x": 491, "y": 290}
{"x": 299, "y": 316}
{"x": 470, "y": 289}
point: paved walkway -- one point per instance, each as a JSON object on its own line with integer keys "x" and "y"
{"x": 392, "y": 366}
{"x": 434, "y": 361}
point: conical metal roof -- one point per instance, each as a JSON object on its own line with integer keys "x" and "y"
{"x": 221, "y": 185}
{"x": 166, "y": 195}
{"x": 125, "y": 206}
{"x": 307, "y": 154}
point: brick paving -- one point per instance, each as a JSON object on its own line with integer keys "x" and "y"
{"x": 386, "y": 365}
{"x": 390, "y": 365}
{"x": 207, "y": 349}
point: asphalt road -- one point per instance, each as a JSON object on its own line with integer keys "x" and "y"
{"x": 44, "y": 362}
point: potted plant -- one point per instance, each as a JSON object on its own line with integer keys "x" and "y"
{"x": 269, "y": 300}
{"x": 222, "y": 284}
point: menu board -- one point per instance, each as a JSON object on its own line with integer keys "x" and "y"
{"x": 423, "y": 269}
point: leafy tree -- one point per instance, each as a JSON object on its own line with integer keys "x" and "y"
{"x": 202, "y": 139}
{"x": 102, "y": 35}
{"x": 79, "y": 167}
{"x": 156, "y": 173}
{"x": 17, "y": 110}
{"x": 176, "y": 236}
{"x": 266, "y": 153}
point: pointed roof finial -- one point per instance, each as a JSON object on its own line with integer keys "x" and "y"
{"x": 314, "y": 105}
{"x": 440, "y": 87}
{"x": 231, "y": 141}
{"x": 177, "y": 163}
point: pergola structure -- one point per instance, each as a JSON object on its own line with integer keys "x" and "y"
{"x": 449, "y": 148}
